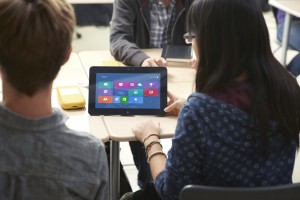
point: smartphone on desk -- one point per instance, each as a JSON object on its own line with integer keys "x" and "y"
{"x": 70, "y": 97}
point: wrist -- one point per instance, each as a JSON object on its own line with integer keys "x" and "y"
{"x": 153, "y": 148}
{"x": 151, "y": 140}
{"x": 150, "y": 137}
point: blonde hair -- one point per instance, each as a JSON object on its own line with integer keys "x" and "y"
{"x": 35, "y": 40}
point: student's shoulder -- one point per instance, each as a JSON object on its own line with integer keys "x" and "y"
{"x": 197, "y": 97}
{"x": 204, "y": 103}
{"x": 195, "y": 102}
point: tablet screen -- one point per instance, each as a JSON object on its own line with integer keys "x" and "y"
{"x": 127, "y": 90}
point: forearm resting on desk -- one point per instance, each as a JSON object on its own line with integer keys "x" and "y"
{"x": 148, "y": 133}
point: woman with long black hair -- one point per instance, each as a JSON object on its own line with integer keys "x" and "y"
{"x": 241, "y": 126}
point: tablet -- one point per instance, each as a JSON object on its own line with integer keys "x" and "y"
{"x": 127, "y": 90}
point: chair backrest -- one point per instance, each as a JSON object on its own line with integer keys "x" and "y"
{"x": 199, "y": 192}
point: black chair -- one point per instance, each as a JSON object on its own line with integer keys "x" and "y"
{"x": 199, "y": 192}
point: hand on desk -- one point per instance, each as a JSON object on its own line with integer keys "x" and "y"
{"x": 174, "y": 105}
{"x": 193, "y": 63}
{"x": 154, "y": 62}
{"x": 143, "y": 129}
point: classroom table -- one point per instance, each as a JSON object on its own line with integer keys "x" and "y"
{"x": 177, "y": 71}
{"x": 80, "y": 120}
{"x": 180, "y": 82}
{"x": 291, "y": 8}
{"x": 71, "y": 73}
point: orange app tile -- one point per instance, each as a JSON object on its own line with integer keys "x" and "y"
{"x": 105, "y": 99}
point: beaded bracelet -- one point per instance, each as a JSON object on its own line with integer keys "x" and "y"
{"x": 151, "y": 144}
{"x": 149, "y": 137}
{"x": 156, "y": 153}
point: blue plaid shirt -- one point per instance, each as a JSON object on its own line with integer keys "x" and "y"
{"x": 162, "y": 21}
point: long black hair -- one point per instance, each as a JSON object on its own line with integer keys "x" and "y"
{"x": 232, "y": 38}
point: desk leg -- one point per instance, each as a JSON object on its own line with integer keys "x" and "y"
{"x": 114, "y": 189}
{"x": 285, "y": 38}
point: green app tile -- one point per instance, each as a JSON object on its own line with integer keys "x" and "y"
{"x": 136, "y": 92}
{"x": 124, "y": 99}
{"x": 105, "y": 84}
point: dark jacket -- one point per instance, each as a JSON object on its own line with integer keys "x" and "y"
{"x": 130, "y": 29}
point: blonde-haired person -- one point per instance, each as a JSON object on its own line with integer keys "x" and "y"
{"x": 40, "y": 157}
{"x": 241, "y": 126}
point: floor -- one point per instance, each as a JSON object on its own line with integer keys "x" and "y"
{"x": 97, "y": 38}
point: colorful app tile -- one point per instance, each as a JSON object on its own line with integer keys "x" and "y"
{"x": 105, "y": 99}
{"x": 139, "y": 85}
{"x": 124, "y": 99}
{"x": 120, "y": 92}
{"x": 105, "y": 84}
{"x": 132, "y": 85}
{"x": 116, "y": 99}
{"x": 150, "y": 92}
{"x": 137, "y": 100}
{"x": 136, "y": 92}
{"x": 121, "y": 85}
{"x": 105, "y": 92}
{"x": 151, "y": 85}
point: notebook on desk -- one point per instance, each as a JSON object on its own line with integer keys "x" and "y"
{"x": 127, "y": 90}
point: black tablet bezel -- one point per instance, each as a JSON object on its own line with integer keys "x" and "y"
{"x": 118, "y": 111}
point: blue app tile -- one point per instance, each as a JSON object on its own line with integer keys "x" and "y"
{"x": 137, "y": 100}
{"x": 120, "y": 92}
{"x": 116, "y": 99}
{"x": 139, "y": 85}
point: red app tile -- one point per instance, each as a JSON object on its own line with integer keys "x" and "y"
{"x": 150, "y": 92}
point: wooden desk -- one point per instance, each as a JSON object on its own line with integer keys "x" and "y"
{"x": 180, "y": 82}
{"x": 71, "y": 73}
{"x": 122, "y": 132}
{"x": 177, "y": 72}
{"x": 80, "y": 119}
{"x": 290, "y": 7}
